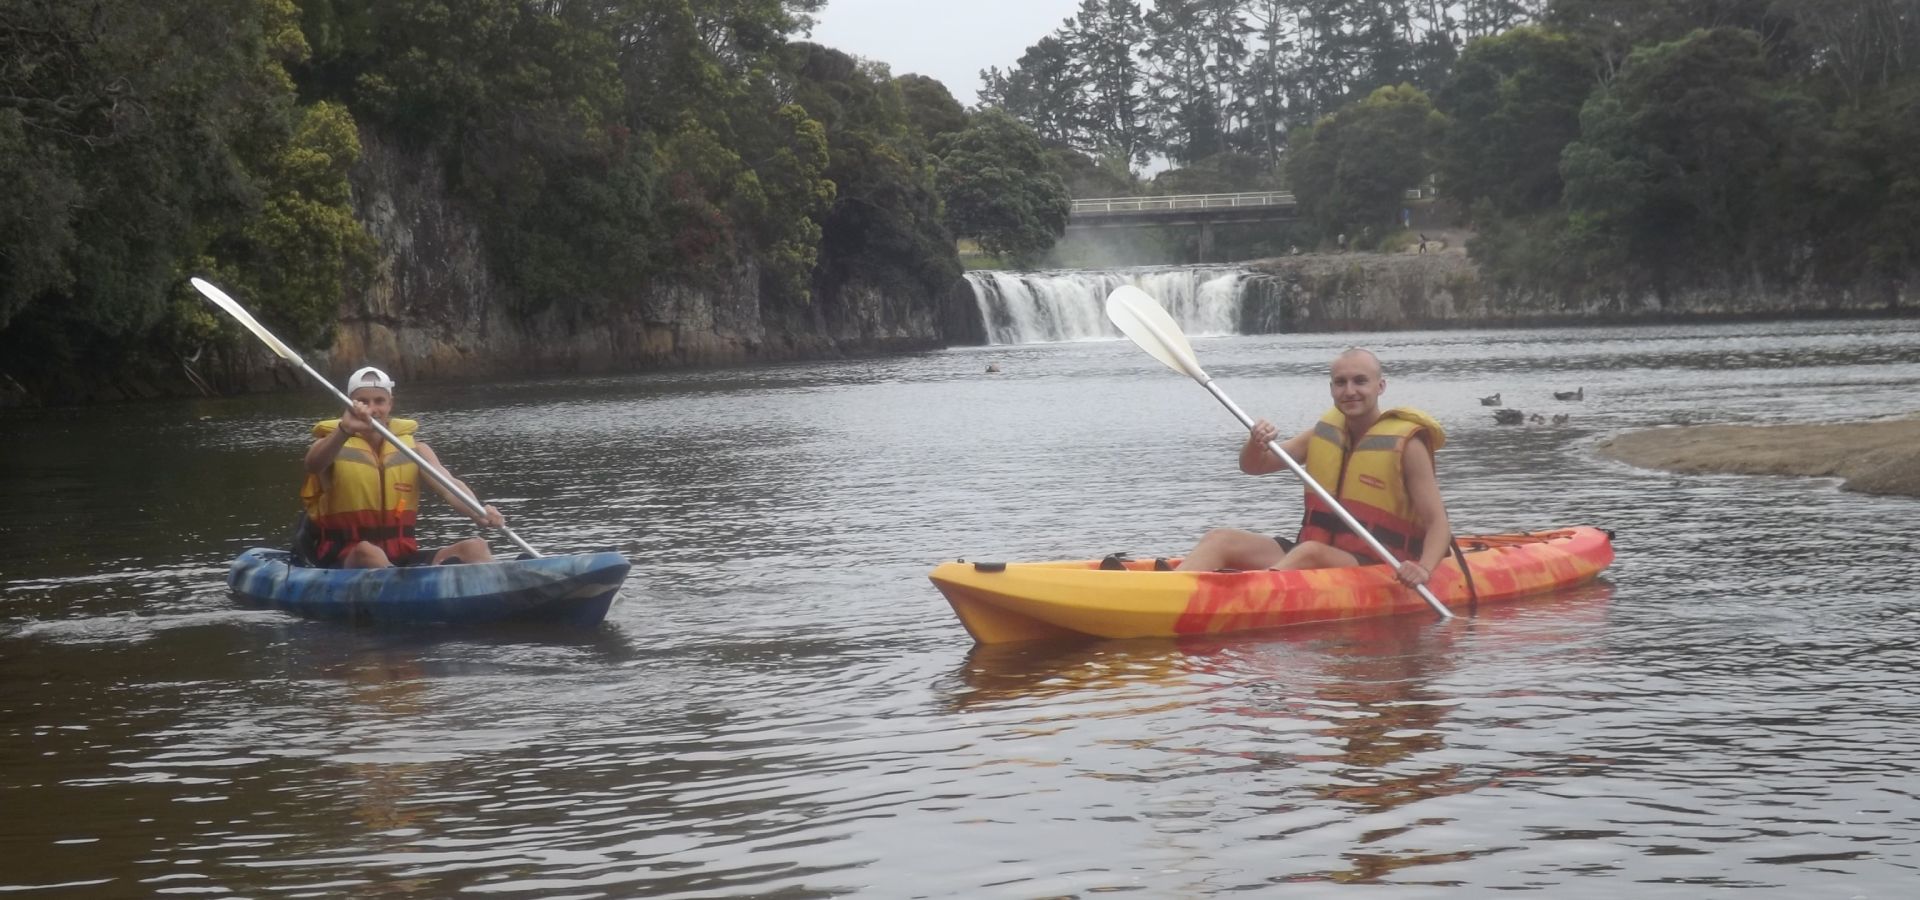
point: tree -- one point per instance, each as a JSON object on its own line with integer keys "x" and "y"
{"x": 1512, "y": 105}
{"x": 1104, "y": 46}
{"x": 1043, "y": 90}
{"x": 142, "y": 141}
{"x": 883, "y": 226}
{"x": 1666, "y": 175}
{"x": 1352, "y": 171}
{"x": 1196, "y": 50}
{"x": 1861, "y": 197}
{"x": 1864, "y": 46}
{"x": 998, "y": 188}
{"x": 1221, "y": 173}
{"x": 931, "y": 109}
{"x": 1086, "y": 176}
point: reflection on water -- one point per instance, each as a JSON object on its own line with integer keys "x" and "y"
{"x": 783, "y": 705}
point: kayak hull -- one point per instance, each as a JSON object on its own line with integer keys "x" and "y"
{"x": 1004, "y": 603}
{"x": 575, "y": 590}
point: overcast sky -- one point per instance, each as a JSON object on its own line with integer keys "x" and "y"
{"x": 947, "y": 40}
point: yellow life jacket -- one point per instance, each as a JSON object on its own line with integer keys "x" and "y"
{"x": 368, "y": 497}
{"x": 1368, "y": 480}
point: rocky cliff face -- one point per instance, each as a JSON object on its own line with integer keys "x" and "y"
{"x": 434, "y": 308}
{"x": 1360, "y": 291}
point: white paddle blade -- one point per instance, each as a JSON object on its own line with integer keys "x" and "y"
{"x": 233, "y": 308}
{"x": 1142, "y": 320}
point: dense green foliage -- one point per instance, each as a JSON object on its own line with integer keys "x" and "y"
{"x": 1514, "y": 102}
{"x": 1188, "y": 79}
{"x": 1623, "y": 147}
{"x": 603, "y": 148}
{"x": 884, "y": 225}
{"x": 142, "y": 141}
{"x": 606, "y": 148}
{"x": 1352, "y": 171}
{"x": 1000, "y": 188}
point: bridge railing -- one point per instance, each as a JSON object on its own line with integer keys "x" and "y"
{"x": 1106, "y": 205}
{"x": 1099, "y": 206}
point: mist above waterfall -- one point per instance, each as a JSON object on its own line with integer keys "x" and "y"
{"x": 1042, "y": 307}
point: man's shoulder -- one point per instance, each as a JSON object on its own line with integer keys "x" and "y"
{"x": 1419, "y": 425}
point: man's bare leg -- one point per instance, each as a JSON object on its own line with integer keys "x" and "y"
{"x": 471, "y": 550}
{"x": 1315, "y": 555}
{"x": 365, "y": 556}
{"x": 1231, "y": 548}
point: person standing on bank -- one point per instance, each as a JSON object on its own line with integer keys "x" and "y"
{"x": 362, "y": 498}
{"x": 1378, "y": 464}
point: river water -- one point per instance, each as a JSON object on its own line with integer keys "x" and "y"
{"x": 782, "y": 705}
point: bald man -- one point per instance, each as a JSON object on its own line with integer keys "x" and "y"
{"x": 1379, "y": 465}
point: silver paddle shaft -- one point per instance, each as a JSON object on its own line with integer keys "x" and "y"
{"x": 440, "y": 478}
{"x": 1373, "y": 543}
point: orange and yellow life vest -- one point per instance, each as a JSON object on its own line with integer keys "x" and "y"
{"x": 369, "y": 497}
{"x": 1368, "y": 480}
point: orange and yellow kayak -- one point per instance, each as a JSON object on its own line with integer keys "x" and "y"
{"x": 1005, "y": 602}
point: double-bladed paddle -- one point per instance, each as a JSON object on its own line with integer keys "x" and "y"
{"x": 233, "y": 308}
{"x": 1146, "y": 324}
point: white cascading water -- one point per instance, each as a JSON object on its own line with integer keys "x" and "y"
{"x": 1041, "y": 307}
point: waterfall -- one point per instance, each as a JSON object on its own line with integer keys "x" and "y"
{"x": 1038, "y": 307}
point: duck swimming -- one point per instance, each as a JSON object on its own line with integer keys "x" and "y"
{"x": 1579, "y": 393}
{"x": 1509, "y": 416}
{"x": 1490, "y": 401}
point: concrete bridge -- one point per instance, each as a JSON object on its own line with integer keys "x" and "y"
{"x": 1204, "y": 210}
{"x": 1181, "y": 209}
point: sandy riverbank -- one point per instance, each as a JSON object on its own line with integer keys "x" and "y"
{"x": 1879, "y": 457}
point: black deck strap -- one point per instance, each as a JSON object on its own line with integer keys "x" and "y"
{"x": 1160, "y": 564}
{"x": 1473, "y": 596}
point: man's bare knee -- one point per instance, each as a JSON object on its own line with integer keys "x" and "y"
{"x": 1316, "y": 555}
{"x": 471, "y": 550}
{"x": 366, "y": 556}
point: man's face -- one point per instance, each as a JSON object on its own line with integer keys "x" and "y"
{"x": 374, "y": 402}
{"x": 1356, "y": 384}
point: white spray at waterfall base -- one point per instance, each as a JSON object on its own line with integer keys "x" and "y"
{"x": 1042, "y": 307}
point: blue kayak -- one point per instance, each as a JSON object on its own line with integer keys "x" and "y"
{"x": 560, "y": 590}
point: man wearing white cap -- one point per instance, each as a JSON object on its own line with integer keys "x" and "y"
{"x": 362, "y": 498}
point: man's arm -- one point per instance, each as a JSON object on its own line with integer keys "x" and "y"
{"x": 1257, "y": 459}
{"x": 487, "y": 516}
{"x": 1423, "y": 488}
{"x": 321, "y": 455}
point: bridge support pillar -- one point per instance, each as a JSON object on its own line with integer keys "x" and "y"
{"x": 1206, "y": 242}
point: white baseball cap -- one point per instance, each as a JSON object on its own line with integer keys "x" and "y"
{"x": 369, "y": 377}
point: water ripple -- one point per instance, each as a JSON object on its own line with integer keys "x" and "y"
{"x": 782, "y": 705}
